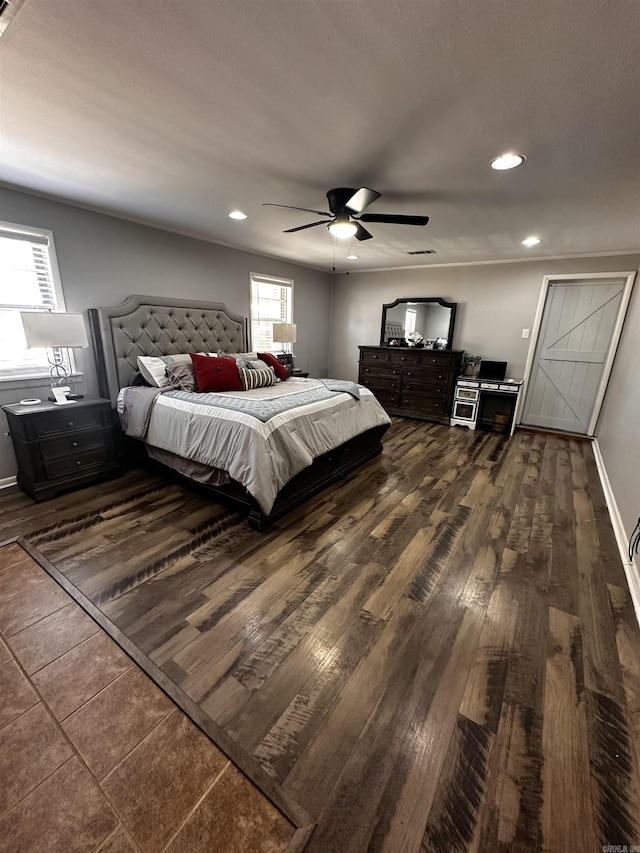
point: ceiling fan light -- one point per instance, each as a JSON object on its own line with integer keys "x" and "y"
{"x": 343, "y": 229}
{"x": 507, "y": 161}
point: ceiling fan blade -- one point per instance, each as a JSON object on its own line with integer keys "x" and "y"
{"x": 394, "y": 219}
{"x": 302, "y": 227}
{"x": 361, "y": 233}
{"x": 306, "y": 209}
{"x": 362, "y": 198}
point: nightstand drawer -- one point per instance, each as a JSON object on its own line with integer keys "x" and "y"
{"x": 57, "y": 423}
{"x": 79, "y": 462}
{"x": 73, "y": 444}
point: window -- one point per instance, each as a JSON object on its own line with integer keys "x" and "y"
{"x": 410, "y": 320}
{"x": 271, "y": 302}
{"x": 28, "y": 281}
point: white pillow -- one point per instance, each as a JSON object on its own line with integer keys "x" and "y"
{"x": 153, "y": 368}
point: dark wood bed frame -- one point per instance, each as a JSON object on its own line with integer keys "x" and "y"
{"x": 145, "y": 325}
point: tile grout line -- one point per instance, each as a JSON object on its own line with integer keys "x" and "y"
{"x": 196, "y": 805}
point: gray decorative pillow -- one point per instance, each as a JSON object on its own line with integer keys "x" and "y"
{"x": 252, "y": 378}
{"x": 180, "y": 375}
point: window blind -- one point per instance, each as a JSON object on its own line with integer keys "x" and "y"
{"x": 27, "y": 282}
{"x": 271, "y": 302}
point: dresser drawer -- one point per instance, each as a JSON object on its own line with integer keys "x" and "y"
{"x": 403, "y": 357}
{"x": 73, "y": 444}
{"x": 425, "y": 405}
{"x": 374, "y": 356}
{"x": 384, "y": 383}
{"x": 63, "y": 422}
{"x": 431, "y": 358}
{"x": 388, "y": 399}
{"x": 382, "y": 371}
{"x": 79, "y": 462}
{"x": 438, "y": 389}
{"x": 428, "y": 375}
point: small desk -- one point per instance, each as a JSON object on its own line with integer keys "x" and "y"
{"x": 486, "y": 404}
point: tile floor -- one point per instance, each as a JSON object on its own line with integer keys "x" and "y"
{"x": 93, "y": 755}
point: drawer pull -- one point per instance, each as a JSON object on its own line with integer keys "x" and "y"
{"x": 70, "y": 423}
{"x": 74, "y": 444}
{"x": 79, "y": 462}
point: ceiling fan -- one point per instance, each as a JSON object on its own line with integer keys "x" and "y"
{"x": 346, "y": 206}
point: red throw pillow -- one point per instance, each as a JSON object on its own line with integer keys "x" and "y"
{"x": 215, "y": 374}
{"x": 281, "y": 371}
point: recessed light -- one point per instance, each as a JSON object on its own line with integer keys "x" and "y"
{"x": 237, "y": 214}
{"x": 531, "y": 241}
{"x": 352, "y": 257}
{"x": 507, "y": 161}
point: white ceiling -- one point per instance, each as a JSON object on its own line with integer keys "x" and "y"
{"x": 174, "y": 113}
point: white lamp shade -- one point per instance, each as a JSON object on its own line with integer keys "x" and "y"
{"x": 284, "y": 333}
{"x": 343, "y": 229}
{"x": 53, "y": 329}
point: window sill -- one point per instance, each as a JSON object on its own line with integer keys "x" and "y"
{"x": 7, "y": 383}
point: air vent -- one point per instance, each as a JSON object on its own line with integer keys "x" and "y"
{"x": 423, "y": 252}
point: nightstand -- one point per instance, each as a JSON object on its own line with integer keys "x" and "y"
{"x": 62, "y": 447}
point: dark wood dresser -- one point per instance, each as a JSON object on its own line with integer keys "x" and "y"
{"x": 61, "y": 447}
{"x": 411, "y": 381}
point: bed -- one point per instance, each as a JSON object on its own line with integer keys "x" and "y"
{"x": 292, "y": 439}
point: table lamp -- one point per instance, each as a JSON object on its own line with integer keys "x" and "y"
{"x": 285, "y": 333}
{"x": 56, "y": 331}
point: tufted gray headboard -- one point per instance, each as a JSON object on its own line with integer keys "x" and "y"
{"x": 156, "y": 325}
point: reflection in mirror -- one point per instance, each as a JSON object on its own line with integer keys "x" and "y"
{"x": 418, "y": 322}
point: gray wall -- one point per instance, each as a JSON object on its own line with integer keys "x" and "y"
{"x": 495, "y": 302}
{"x": 618, "y": 429}
{"x": 102, "y": 260}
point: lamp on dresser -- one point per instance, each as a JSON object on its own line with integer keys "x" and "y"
{"x": 56, "y": 331}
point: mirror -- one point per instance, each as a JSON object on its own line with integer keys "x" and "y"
{"x": 418, "y": 322}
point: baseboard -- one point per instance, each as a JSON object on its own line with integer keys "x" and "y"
{"x": 5, "y": 482}
{"x": 631, "y": 570}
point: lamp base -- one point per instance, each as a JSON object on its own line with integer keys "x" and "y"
{"x": 68, "y": 396}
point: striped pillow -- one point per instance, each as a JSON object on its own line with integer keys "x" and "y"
{"x": 251, "y": 378}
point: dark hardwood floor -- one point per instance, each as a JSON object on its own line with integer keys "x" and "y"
{"x": 438, "y": 653}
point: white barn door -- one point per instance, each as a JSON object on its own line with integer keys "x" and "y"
{"x": 579, "y": 331}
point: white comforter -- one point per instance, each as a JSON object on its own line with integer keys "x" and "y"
{"x": 262, "y": 454}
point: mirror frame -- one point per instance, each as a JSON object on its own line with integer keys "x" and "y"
{"x": 421, "y": 299}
